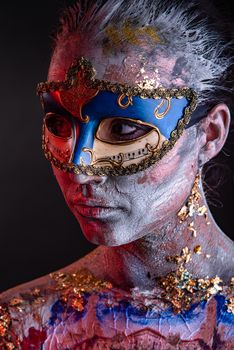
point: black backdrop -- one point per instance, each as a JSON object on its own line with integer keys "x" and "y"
{"x": 38, "y": 234}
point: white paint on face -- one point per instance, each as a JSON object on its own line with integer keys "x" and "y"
{"x": 140, "y": 203}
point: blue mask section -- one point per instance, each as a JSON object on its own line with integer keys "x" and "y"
{"x": 104, "y": 105}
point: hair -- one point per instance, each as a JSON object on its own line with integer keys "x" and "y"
{"x": 193, "y": 33}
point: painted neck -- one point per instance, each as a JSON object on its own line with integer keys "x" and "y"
{"x": 191, "y": 236}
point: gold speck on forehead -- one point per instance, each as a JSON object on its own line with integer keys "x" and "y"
{"x": 128, "y": 34}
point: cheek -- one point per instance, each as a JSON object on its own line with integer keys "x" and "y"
{"x": 166, "y": 185}
{"x": 63, "y": 180}
{"x": 178, "y": 162}
{"x": 158, "y": 173}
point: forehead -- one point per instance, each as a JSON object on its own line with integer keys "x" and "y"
{"x": 131, "y": 68}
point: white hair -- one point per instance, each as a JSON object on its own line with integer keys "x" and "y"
{"x": 198, "y": 51}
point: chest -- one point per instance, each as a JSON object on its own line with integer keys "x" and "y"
{"x": 105, "y": 323}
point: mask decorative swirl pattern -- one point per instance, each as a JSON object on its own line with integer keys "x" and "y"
{"x": 97, "y": 127}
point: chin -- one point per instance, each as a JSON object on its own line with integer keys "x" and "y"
{"x": 101, "y": 238}
{"x": 106, "y": 235}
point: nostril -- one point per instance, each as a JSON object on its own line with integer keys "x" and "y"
{"x": 88, "y": 179}
{"x": 84, "y": 190}
{"x": 98, "y": 179}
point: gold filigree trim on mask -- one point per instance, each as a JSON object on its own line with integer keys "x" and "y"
{"x": 101, "y": 85}
{"x": 112, "y": 162}
{"x": 89, "y": 78}
{"x": 161, "y": 104}
{"x": 85, "y": 119}
{"x": 127, "y": 104}
{"x": 91, "y": 152}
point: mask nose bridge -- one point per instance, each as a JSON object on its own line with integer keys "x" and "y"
{"x": 85, "y": 139}
{"x": 87, "y": 130}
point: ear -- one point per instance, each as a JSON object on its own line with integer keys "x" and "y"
{"x": 213, "y": 132}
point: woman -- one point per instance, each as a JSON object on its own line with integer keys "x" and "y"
{"x": 135, "y": 105}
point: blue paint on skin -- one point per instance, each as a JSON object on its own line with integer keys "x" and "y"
{"x": 60, "y": 310}
{"x": 147, "y": 317}
{"x": 223, "y": 316}
{"x": 123, "y": 309}
{"x": 57, "y": 310}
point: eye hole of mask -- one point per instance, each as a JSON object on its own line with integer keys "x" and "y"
{"x": 121, "y": 130}
{"x": 58, "y": 125}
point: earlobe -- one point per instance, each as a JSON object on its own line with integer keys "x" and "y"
{"x": 215, "y": 129}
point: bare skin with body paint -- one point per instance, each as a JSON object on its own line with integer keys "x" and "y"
{"x": 146, "y": 230}
{"x": 137, "y": 230}
{"x": 134, "y": 254}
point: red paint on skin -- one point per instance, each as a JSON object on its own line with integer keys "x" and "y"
{"x": 161, "y": 170}
{"x": 167, "y": 166}
{"x": 79, "y": 198}
{"x": 156, "y": 174}
{"x": 92, "y": 229}
{"x": 58, "y": 73}
{"x": 34, "y": 340}
{"x": 87, "y": 215}
{"x": 88, "y": 211}
{"x": 72, "y": 191}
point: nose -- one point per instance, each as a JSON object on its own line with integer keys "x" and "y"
{"x": 83, "y": 179}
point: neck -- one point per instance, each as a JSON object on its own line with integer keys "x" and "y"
{"x": 140, "y": 262}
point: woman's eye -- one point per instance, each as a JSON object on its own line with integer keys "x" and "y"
{"x": 58, "y": 125}
{"x": 122, "y": 129}
{"x": 119, "y": 129}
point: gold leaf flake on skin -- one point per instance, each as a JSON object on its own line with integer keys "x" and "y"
{"x": 192, "y": 229}
{"x": 192, "y": 207}
{"x": 117, "y": 38}
{"x": 16, "y": 301}
{"x": 230, "y": 305}
{"x": 181, "y": 289}
{"x": 197, "y": 249}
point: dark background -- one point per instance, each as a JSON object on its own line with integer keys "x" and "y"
{"x": 38, "y": 234}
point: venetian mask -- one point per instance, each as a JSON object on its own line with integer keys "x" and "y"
{"x": 97, "y": 127}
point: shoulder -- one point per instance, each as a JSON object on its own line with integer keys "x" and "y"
{"x": 29, "y": 312}
{"x": 92, "y": 262}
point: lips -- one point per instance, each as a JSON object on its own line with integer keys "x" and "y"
{"x": 89, "y": 207}
{"x": 91, "y": 203}
{"x": 93, "y": 211}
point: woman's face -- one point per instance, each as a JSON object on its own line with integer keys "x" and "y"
{"x": 117, "y": 210}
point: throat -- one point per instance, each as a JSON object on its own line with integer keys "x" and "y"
{"x": 141, "y": 262}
